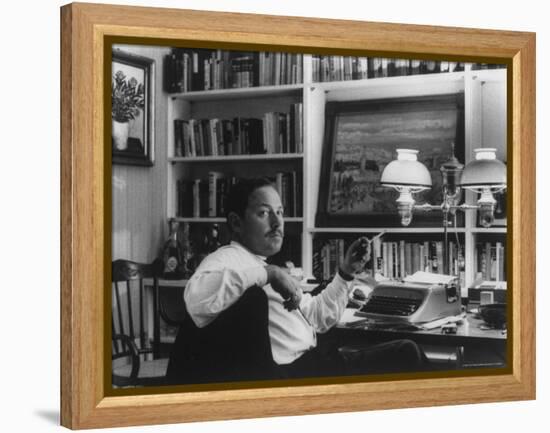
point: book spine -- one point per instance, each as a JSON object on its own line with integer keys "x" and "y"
{"x": 401, "y": 259}
{"x": 285, "y": 196}
{"x": 317, "y": 266}
{"x": 499, "y": 264}
{"x": 428, "y": 256}
{"x": 294, "y": 194}
{"x": 326, "y": 262}
{"x": 439, "y": 252}
{"x": 186, "y": 138}
{"x": 377, "y": 259}
{"x": 333, "y": 248}
{"x": 187, "y": 198}
{"x": 177, "y": 137}
{"x": 341, "y": 252}
{"x": 221, "y": 194}
{"x": 203, "y": 197}
{"x": 391, "y": 273}
{"x": 212, "y": 193}
{"x": 417, "y": 254}
{"x": 487, "y": 254}
{"x": 196, "y": 198}
{"x": 408, "y": 259}
{"x": 212, "y": 136}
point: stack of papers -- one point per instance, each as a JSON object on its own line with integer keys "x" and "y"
{"x": 349, "y": 317}
{"x": 495, "y": 285}
{"x": 440, "y": 322}
{"x": 429, "y": 278}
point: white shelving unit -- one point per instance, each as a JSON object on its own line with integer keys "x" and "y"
{"x": 272, "y": 157}
{"x": 485, "y": 126}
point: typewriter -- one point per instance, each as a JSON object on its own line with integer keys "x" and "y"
{"x": 412, "y": 302}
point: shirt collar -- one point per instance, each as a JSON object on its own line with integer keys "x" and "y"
{"x": 238, "y": 244}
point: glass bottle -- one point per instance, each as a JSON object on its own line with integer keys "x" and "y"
{"x": 212, "y": 239}
{"x": 173, "y": 254}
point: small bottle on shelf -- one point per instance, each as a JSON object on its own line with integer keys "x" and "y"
{"x": 212, "y": 241}
{"x": 173, "y": 254}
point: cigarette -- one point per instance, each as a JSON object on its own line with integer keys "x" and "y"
{"x": 379, "y": 235}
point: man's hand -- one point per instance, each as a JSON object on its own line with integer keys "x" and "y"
{"x": 284, "y": 285}
{"x": 357, "y": 255}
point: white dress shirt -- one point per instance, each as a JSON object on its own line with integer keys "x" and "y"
{"x": 223, "y": 276}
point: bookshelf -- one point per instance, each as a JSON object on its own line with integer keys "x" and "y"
{"x": 485, "y": 125}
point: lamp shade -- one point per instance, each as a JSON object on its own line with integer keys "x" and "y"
{"x": 486, "y": 171}
{"x": 406, "y": 171}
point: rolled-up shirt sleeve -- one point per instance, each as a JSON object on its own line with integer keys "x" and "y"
{"x": 324, "y": 310}
{"x": 214, "y": 288}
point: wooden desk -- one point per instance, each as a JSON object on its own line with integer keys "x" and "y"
{"x": 482, "y": 347}
{"x": 470, "y": 335}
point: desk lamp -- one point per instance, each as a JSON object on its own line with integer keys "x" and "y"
{"x": 485, "y": 175}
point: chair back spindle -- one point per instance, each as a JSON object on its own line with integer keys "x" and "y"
{"x": 131, "y": 342}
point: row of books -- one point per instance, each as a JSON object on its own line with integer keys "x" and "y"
{"x": 188, "y": 70}
{"x": 490, "y": 261}
{"x": 208, "y": 197}
{"x": 344, "y": 68}
{"x": 480, "y": 66}
{"x": 290, "y": 188}
{"x": 279, "y": 68}
{"x": 396, "y": 260}
{"x": 327, "y": 257}
{"x": 275, "y": 133}
{"x": 393, "y": 260}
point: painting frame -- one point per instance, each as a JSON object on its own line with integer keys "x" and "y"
{"x": 376, "y": 111}
{"x": 85, "y": 200}
{"x": 137, "y": 146}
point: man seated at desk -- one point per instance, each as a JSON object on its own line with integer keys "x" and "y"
{"x": 255, "y": 219}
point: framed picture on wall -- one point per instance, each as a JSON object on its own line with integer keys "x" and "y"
{"x": 132, "y": 100}
{"x": 361, "y": 138}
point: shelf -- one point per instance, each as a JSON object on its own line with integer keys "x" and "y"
{"x": 254, "y": 102}
{"x": 489, "y": 74}
{"x": 379, "y": 229}
{"x": 245, "y": 92}
{"x": 410, "y": 80}
{"x": 482, "y": 230}
{"x": 225, "y": 158}
{"x": 222, "y": 219}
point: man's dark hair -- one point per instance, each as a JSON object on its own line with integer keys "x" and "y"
{"x": 237, "y": 199}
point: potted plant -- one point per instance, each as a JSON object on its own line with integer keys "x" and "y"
{"x": 127, "y": 100}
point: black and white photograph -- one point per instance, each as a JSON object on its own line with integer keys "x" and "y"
{"x": 308, "y": 216}
{"x": 251, "y": 216}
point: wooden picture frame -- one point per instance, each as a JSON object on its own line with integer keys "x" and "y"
{"x": 350, "y": 194}
{"x": 85, "y": 216}
{"x": 132, "y": 131}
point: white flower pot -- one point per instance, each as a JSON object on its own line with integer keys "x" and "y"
{"x": 120, "y": 135}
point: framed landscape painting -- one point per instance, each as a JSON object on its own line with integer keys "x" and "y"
{"x": 362, "y": 138}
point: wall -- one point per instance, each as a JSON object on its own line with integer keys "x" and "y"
{"x": 139, "y": 193}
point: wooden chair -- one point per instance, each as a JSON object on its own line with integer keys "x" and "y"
{"x": 172, "y": 306}
{"x": 134, "y": 352}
